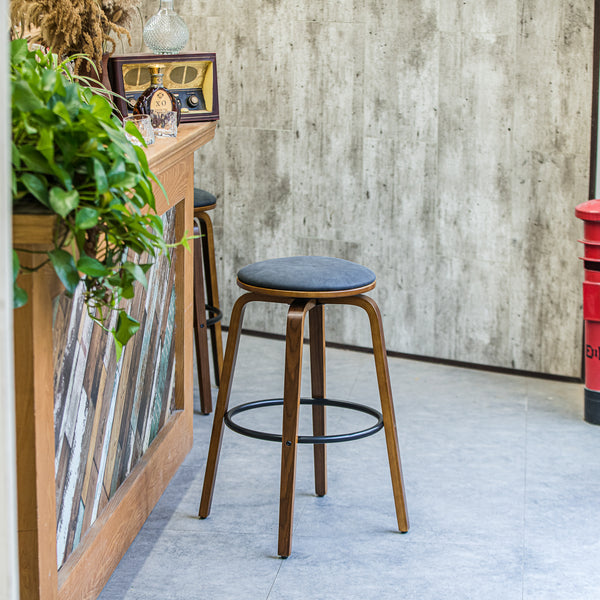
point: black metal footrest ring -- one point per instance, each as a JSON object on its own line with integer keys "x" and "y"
{"x": 305, "y": 439}
{"x": 216, "y": 312}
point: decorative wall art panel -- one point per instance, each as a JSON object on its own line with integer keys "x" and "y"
{"x": 106, "y": 414}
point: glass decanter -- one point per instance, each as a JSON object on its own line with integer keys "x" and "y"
{"x": 165, "y": 32}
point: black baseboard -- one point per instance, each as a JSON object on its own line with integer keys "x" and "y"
{"x": 429, "y": 359}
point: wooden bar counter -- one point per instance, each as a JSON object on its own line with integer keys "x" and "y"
{"x": 88, "y": 567}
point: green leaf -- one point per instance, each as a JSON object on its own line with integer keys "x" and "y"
{"x": 101, "y": 107}
{"x": 63, "y": 174}
{"x": 72, "y": 100}
{"x": 87, "y": 217}
{"x": 156, "y": 223}
{"x": 126, "y": 328}
{"x": 16, "y": 265}
{"x": 45, "y": 118}
{"x": 19, "y": 296}
{"x": 18, "y": 51}
{"x": 118, "y": 347}
{"x": 142, "y": 158}
{"x": 37, "y": 186}
{"x": 120, "y": 147}
{"x": 117, "y": 170}
{"x": 61, "y": 110}
{"x": 23, "y": 97}
{"x": 128, "y": 292}
{"x": 100, "y": 177}
{"x": 15, "y": 156}
{"x": 63, "y": 201}
{"x": 64, "y": 265}
{"x": 45, "y": 144}
{"x": 145, "y": 193}
{"x": 34, "y": 160}
{"x": 132, "y": 129}
{"x": 137, "y": 272}
{"x": 92, "y": 267}
{"x": 30, "y": 129}
{"x": 49, "y": 77}
{"x": 124, "y": 180}
{"x": 59, "y": 88}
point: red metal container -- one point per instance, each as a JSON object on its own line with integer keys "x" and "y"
{"x": 589, "y": 213}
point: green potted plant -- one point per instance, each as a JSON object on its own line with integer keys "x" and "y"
{"x": 72, "y": 159}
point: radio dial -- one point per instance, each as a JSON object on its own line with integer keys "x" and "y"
{"x": 193, "y": 101}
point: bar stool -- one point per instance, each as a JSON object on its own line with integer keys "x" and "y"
{"x": 205, "y": 274}
{"x": 307, "y": 284}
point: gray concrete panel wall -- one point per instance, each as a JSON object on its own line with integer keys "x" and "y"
{"x": 442, "y": 143}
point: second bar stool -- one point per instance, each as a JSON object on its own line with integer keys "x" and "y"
{"x": 307, "y": 284}
{"x": 205, "y": 275}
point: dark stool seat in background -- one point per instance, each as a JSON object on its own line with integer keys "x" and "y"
{"x": 205, "y": 275}
{"x": 306, "y": 283}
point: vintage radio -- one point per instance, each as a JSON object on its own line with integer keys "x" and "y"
{"x": 191, "y": 77}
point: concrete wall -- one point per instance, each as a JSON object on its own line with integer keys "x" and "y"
{"x": 443, "y": 143}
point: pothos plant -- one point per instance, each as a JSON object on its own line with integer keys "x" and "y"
{"x": 71, "y": 158}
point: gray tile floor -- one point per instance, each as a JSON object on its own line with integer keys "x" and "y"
{"x": 503, "y": 485}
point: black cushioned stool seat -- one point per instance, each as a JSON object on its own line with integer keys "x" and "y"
{"x": 306, "y": 274}
{"x": 205, "y": 276}
{"x": 306, "y": 284}
{"x": 204, "y": 199}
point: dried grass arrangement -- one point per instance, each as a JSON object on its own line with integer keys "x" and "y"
{"x": 71, "y": 27}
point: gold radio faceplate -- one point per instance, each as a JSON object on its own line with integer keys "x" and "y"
{"x": 192, "y": 78}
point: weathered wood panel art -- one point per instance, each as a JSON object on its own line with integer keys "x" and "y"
{"x": 104, "y": 422}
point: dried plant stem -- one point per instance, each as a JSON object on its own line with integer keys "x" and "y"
{"x": 74, "y": 26}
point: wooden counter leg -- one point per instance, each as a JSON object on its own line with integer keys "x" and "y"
{"x": 34, "y": 413}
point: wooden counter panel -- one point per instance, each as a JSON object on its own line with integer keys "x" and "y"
{"x": 90, "y": 565}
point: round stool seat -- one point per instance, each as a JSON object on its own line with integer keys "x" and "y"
{"x": 306, "y": 276}
{"x": 204, "y": 199}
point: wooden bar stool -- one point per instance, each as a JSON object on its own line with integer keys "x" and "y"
{"x": 306, "y": 283}
{"x": 205, "y": 274}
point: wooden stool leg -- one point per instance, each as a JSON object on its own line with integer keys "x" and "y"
{"x": 291, "y": 404}
{"x": 200, "y": 330}
{"x": 387, "y": 404}
{"x": 233, "y": 342}
{"x": 316, "y": 322}
{"x": 212, "y": 291}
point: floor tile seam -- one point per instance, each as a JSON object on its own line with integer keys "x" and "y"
{"x": 275, "y": 579}
{"x": 353, "y": 538}
{"x": 218, "y": 531}
{"x": 301, "y": 504}
{"x": 525, "y": 471}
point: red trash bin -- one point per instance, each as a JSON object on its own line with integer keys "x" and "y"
{"x": 589, "y": 213}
